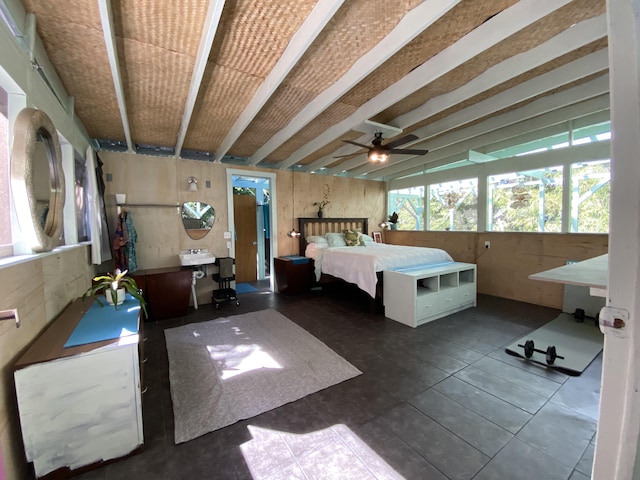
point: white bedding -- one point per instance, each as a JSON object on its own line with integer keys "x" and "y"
{"x": 359, "y": 264}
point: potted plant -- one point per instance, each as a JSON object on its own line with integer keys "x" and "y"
{"x": 393, "y": 221}
{"x": 115, "y": 285}
{"x": 320, "y": 206}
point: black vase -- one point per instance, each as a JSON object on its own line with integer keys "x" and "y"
{"x": 319, "y": 213}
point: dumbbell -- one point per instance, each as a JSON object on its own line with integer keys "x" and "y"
{"x": 551, "y": 354}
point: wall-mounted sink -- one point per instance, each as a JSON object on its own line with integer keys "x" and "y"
{"x": 193, "y": 258}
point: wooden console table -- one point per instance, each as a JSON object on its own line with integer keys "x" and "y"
{"x": 80, "y": 405}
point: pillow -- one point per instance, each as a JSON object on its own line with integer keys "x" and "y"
{"x": 336, "y": 240}
{"x": 367, "y": 239}
{"x": 353, "y": 237}
{"x": 317, "y": 239}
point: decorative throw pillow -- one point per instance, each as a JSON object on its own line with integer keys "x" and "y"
{"x": 353, "y": 237}
{"x": 336, "y": 240}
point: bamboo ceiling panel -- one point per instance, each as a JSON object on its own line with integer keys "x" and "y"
{"x": 158, "y": 41}
{"x": 522, "y": 41}
{"x": 223, "y": 96}
{"x": 251, "y": 37}
{"x": 155, "y": 96}
{"x": 356, "y": 29}
{"x": 75, "y": 45}
{"x": 445, "y": 31}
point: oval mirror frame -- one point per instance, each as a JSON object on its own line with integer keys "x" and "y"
{"x": 197, "y": 218}
{"x": 41, "y": 232}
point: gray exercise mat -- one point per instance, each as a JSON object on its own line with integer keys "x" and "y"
{"x": 578, "y": 342}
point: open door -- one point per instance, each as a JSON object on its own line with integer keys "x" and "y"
{"x": 244, "y": 207}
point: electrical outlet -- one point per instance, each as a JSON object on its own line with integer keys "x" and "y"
{"x": 228, "y": 244}
{"x": 487, "y": 244}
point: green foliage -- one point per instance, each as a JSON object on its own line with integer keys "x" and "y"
{"x": 114, "y": 281}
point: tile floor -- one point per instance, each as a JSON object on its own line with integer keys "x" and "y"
{"x": 443, "y": 401}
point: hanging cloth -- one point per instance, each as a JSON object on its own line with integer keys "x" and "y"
{"x": 130, "y": 245}
{"x": 119, "y": 242}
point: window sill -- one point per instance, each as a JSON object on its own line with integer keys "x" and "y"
{"x": 17, "y": 259}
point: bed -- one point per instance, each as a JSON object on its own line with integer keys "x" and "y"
{"x": 362, "y": 264}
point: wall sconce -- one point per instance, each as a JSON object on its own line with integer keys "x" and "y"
{"x": 121, "y": 198}
{"x": 383, "y": 225}
{"x": 293, "y": 234}
{"x": 193, "y": 184}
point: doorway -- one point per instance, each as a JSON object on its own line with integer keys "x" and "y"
{"x": 252, "y": 223}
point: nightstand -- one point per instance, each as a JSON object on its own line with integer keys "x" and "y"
{"x": 293, "y": 274}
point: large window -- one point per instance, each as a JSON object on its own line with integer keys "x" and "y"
{"x": 590, "y": 189}
{"x": 454, "y": 205}
{"x": 408, "y": 203}
{"x": 528, "y": 201}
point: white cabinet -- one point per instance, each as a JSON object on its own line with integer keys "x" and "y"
{"x": 414, "y": 296}
{"x": 79, "y": 405}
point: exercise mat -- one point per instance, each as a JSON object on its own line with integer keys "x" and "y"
{"x": 578, "y": 342}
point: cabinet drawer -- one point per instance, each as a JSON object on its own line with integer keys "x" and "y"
{"x": 467, "y": 295}
{"x": 427, "y": 305}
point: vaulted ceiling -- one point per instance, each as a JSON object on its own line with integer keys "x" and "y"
{"x": 280, "y": 84}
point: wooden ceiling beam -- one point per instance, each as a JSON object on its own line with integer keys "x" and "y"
{"x": 541, "y": 85}
{"x": 577, "y": 101}
{"x": 106, "y": 18}
{"x": 567, "y": 41}
{"x": 210, "y": 27}
{"x": 485, "y": 36}
{"x": 411, "y": 25}
{"x": 321, "y": 14}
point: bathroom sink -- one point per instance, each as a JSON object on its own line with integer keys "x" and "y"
{"x": 188, "y": 259}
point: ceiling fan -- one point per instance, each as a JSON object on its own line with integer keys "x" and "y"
{"x": 380, "y": 153}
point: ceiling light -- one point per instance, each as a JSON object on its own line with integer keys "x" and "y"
{"x": 193, "y": 184}
{"x": 378, "y": 155}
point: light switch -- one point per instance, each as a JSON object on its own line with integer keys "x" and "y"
{"x": 228, "y": 244}
{"x": 227, "y": 235}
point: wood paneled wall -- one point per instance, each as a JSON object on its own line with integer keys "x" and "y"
{"x": 503, "y": 269}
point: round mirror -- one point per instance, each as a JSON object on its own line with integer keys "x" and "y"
{"x": 197, "y": 218}
{"x": 37, "y": 179}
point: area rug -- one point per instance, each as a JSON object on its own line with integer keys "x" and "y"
{"x": 245, "y": 288}
{"x": 237, "y": 367}
{"x": 335, "y": 452}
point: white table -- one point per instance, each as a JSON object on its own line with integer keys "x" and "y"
{"x": 592, "y": 273}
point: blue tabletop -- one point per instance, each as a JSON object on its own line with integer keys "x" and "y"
{"x": 106, "y": 322}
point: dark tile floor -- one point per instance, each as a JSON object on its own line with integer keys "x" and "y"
{"x": 443, "y": 401}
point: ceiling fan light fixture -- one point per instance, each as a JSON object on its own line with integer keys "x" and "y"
{"x": 378, "y": 155}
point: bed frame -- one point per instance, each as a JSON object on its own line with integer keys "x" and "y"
{"x": 320, "y": 226}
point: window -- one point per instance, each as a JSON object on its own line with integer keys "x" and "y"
{"x": 6, "y": 248}
{"x": 590, "y": 189}
{"x": 528, "y": 201}
{"x": 408, "y": 203}
{"x": 454, "y": 205}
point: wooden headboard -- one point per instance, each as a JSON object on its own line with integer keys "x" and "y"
{"x": 320, "y": 226}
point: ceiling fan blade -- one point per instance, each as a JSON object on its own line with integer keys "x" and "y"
{"x": 408, "y": 151}
{"x": 357, "y": 144}
{"x": 401, "y": 141}
{"x": 348, "y": 155}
